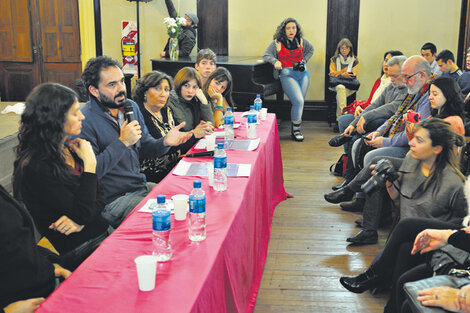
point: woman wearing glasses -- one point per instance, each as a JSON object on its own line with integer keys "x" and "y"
{"x": 151, "y": 93}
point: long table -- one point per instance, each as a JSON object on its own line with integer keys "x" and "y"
{"x": 220, "y": 274}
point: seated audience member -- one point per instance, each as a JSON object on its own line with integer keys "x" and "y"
{"x": 378, "y": 111}
{"x": 345, "y": 64}
{"x": 394, "y": 265}
{"x": 353, "y": 110}
{"x": 289, "y": 53}
{"x": 56, "y": 177}
{"x": 118, "y": 144}
{"x": 428, "y": 51}
{"x": 187, "y": 37}
{"x": 25, "y": 270}
{"x": 390, "y": 138}
{"x": 447, "y": 104}
{"x": 429, "y": 180}
{"x": 190, "y": 105}
{"x": 205, "y": 63}
{"x": 445, "y": 297}
{"x": 151, "y": 93}
{"x": 218, "y": 89}
{"x": 445, "y": 60}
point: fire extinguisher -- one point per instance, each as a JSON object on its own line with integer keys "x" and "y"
{"x": 128, "y": 49}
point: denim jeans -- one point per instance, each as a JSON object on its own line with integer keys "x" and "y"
{"x": 295, "y": 85}
{"x": 116, "y": 211}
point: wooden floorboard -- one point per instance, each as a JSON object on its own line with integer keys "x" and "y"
{"x": 308, "y": 251}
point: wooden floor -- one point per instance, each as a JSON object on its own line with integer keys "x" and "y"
{"x": 308, "y": 251}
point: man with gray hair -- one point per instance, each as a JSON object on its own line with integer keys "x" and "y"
{"x": 390, "y": 138}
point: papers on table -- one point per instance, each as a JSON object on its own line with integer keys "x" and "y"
{"x": 146, "y": 207}
{"x": 200, "y": 169}
{"x": 243, "y": 145}
{"x": 235, "y": 126}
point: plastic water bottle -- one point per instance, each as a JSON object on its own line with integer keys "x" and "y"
{"x": 161, "y": 226}
{"x": 258, "y": 103}
{"x": 228, "y": 121}
{"x": 220, "y": 168}
{"x": 251, "y": 129}
{"x": 197, "y": 213}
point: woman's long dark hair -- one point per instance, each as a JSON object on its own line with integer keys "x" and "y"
{"x": 442, "y": 134}
{"x": 221, "y": 74}
{"x": 454, "y": 104}
{"x": 280, "y": 34}
{"x": 41, "y": 135}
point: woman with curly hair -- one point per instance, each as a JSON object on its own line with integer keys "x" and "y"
{"x": 218, "y": 89}
{"x": 55, "y": 175}
{"x": 289, "y": 53}
{"x": 151, "y": 93}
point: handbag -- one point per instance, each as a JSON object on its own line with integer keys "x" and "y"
{"x": 349, "y": 83}
{"x": 339, "y": 168}
{"x": 412, "y": 288}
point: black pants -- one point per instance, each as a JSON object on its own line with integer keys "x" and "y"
{"x": 395, "y": 265}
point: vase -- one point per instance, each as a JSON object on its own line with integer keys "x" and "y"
{"x": 173, "y": 48}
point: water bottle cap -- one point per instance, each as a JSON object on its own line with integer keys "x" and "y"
{"x": 197, "y": 184}
{"x": 220, "y": 145}
{"x": 252, "y": 107}
{"x": 229, "y": 109}
{"x": 161, "y": 199}
{"x": 258, "y": 95}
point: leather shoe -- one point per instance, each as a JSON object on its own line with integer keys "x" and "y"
{"x": 343, "y": 184}
{"x": 361, "y": 282}
{"x": 356, "y": 205}
{"x": 340, "y": 195}
{"x": 338, "y": 140}
{"x": 364, "y": 237}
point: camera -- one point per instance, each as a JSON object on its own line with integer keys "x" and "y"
{"x": 384, "y": 172}
{"x": 299, "y": 66}
{"x": 413, "y": 117}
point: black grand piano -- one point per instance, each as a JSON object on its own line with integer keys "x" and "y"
{"x": 251, "y": 76}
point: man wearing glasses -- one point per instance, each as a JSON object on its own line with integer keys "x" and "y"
{"x": 390, "y": 139}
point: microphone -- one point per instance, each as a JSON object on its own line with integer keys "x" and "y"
{"x": 129, "y": 114}
{"x": 129, "y": 111}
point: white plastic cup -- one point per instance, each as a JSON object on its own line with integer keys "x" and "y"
{"x": 181, "y": 206}
{"x": 263, "y": 113}
{"x": 210, "y": 173}
{"x": 210, "y": 142}
{"x": 146, "y": 271}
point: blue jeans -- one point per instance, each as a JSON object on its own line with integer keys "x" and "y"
{"x": 343, "y": 123}
{"x": 295, "y": 85}
{"x": 116, "y": 211}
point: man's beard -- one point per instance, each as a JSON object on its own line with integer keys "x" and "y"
{"x": 412, "y": 90}
{"x": 111, "y": 103}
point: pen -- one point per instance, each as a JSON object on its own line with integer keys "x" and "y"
{"x": 199, "y": 154}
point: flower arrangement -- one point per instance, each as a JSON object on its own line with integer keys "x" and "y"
{"x": 174, "y": 25}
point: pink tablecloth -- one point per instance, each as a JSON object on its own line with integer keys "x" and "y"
{"x": 220, "y": 274}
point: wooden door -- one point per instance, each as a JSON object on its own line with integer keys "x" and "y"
{"x": 42, "y": 45}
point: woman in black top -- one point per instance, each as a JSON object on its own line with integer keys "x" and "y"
{"x": 151, "y": 93}
{"x": 55, "y": 176}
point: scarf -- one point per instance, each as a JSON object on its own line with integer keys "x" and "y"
{"x": 396, "y": 124}
{"x": 349, "y": 61}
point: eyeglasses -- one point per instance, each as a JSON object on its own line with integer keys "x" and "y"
{"x": 408, "y": 77}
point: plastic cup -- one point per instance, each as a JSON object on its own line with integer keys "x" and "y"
{"x": 146, "y": 271}
{"x": 263, "y": 113}
{"x": 210, "y": 173}
{"x": 181, "y": 206}
{"x": 210, "y": 142}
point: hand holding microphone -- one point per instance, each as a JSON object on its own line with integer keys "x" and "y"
{"x": 130, "y": 130}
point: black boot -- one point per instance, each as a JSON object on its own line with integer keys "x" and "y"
{"x": 364, "y": 237}
{"x": 361, "y": 282}
{"x": 296, "y": 134}
{"x": 343, "y": 184}
{"x": 339, "y": 140}
{"x": 340, "y": 195}
{"x": 356, "y": 205}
